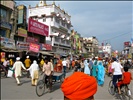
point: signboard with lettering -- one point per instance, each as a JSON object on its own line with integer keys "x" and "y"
{"x": 34, "y": 47}
{"x": 32, "y": 39}
{"x": 46, "y": 47}
{"x": 22, "y": 32}
{"x": 22, "y": 45}
{"x": 38, "y": 28}
{"x": 7, "y": 43}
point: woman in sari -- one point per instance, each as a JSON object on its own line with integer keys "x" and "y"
{"x": 86, "y": 69}
{"x": 58, "y": 66}
{"x": 94, "y": 69}
{"x": 100, "y": 74}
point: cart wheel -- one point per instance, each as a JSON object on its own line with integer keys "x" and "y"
{"x": 40, "y": 88}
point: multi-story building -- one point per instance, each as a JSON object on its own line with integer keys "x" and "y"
{"x": 107, "y": 50}
{"x": 6, "y": 10}
{"x": 59, "y": 23}
{"x": 91, "y": 45}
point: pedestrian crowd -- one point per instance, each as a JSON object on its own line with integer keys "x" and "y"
{"x": 84, "y": 70}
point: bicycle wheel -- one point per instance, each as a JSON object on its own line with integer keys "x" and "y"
{"x": 126, "y": 94}
{"x": 111, "y": 88}
{"x": 40, "y": 88}
{"x": 2, "y": 74}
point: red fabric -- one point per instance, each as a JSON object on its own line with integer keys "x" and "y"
{"x": 79, "y": 86}
{"x": 126, "y": 79}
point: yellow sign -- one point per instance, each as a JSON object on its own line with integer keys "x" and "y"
{"x": 20, "y": 7}
{"x": 22, "y": 32}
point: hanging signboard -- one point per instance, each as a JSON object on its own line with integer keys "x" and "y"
{"x": 38, "y": 28}
{"x": 7, "y": 43}
{"x": 22, "y": 45}
{"x": 34, "y": 47}
{"x": 46, "y": 47}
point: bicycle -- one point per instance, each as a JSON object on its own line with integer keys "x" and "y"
{"x": 111, "y": 87}
{"x": 125, "y": 92}
{"x": 3, "y": 72}
{"x": 42, "y": 85}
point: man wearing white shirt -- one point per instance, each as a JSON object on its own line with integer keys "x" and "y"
{"x": 64, "y": 63}
{"x": 117, "y": 70}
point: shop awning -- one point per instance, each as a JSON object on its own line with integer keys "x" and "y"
{"x": 45, "y": 53}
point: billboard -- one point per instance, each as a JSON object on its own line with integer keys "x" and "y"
{"x": 22, "y": 32}
{"x": 38, "y": 28}
{"x": 20, "y": 16}
{"x": 34, "y": 47}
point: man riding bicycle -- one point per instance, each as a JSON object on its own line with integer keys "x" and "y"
{"x": 48, "y": 71}
{"x": 117, "y": 70}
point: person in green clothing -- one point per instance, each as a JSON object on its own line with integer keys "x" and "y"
{"x": 94, "y": 69}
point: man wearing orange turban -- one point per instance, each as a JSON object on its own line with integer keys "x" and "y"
{"x": 79, "y": 86}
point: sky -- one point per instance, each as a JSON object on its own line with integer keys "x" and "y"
{"x": 109, "y": 21}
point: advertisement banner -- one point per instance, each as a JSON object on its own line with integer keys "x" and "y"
{"x": 22, "y": 45}
{"x": 34, "y": 47}
{"x": 127, "y": 44}
{"x": 38, "y": 28}
{"x": 32, "y": 40}
{"x": 8, "y": 43}
{"x": 46, "y": 47}
{"x": 22, "y": 32}
{"x": 5, "y": 25}
{"x": 20, "y": 16}
{"x": 2, "y": 56}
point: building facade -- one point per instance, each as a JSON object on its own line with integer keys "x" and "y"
{"x": 59, "y": 23}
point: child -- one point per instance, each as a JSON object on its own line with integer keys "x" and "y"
{"x": 126, "y": 78}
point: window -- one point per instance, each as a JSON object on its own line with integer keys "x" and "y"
{"x": 3, "y": 14}
{"x": 57, "y": 19}
{"x": 63, "y": 23}
{"x": 44, "y": 19}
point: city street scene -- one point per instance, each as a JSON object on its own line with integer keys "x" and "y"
{"x": 66, "y": 50}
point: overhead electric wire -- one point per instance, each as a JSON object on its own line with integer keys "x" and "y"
{"x": 117, "y": 36}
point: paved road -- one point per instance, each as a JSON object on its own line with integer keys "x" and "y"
{"x": 10, "y": 91}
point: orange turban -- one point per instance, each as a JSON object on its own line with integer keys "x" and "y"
{"x": 79, "y": 86}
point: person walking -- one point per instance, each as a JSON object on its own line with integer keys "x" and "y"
{"x": 94, "y": 69}
{"x": 79, "y": 86}
{"x": 34, "y": 72}
{"x": 27, "y": 65}
{"x": 64, "y": 63}
{"x": 17, "y": 66}
{"x": 100, "y": 73}
{"x": 87, "y": 69}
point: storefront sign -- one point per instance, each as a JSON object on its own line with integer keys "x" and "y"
{"x": 37, "y": 27}
{"x": 22, "y": 32}
{"x": 5, "y": 25}
{"x": 2, "y": 56}
{"x": 46, "y": 47}
{"x": 20, "y": 16}
{"x": 8, "y": 43}
{"x": 22, "y": 45}
{"x": 32, "y": 39}
{"x": 34, "y": 47}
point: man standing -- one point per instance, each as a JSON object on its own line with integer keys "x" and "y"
{"x": 64, "y": 63}
{"x": 27, "y": 65}
{"x": 18, "y": 65}
{"x": 117, "y": 70}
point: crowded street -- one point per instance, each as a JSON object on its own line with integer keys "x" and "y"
{"x": 9, "y": 90}
{"x": 62, "y": 50}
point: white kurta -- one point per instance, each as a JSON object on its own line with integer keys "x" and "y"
{"x": 18, "y": 65}
{"x": 33, "y": 68}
